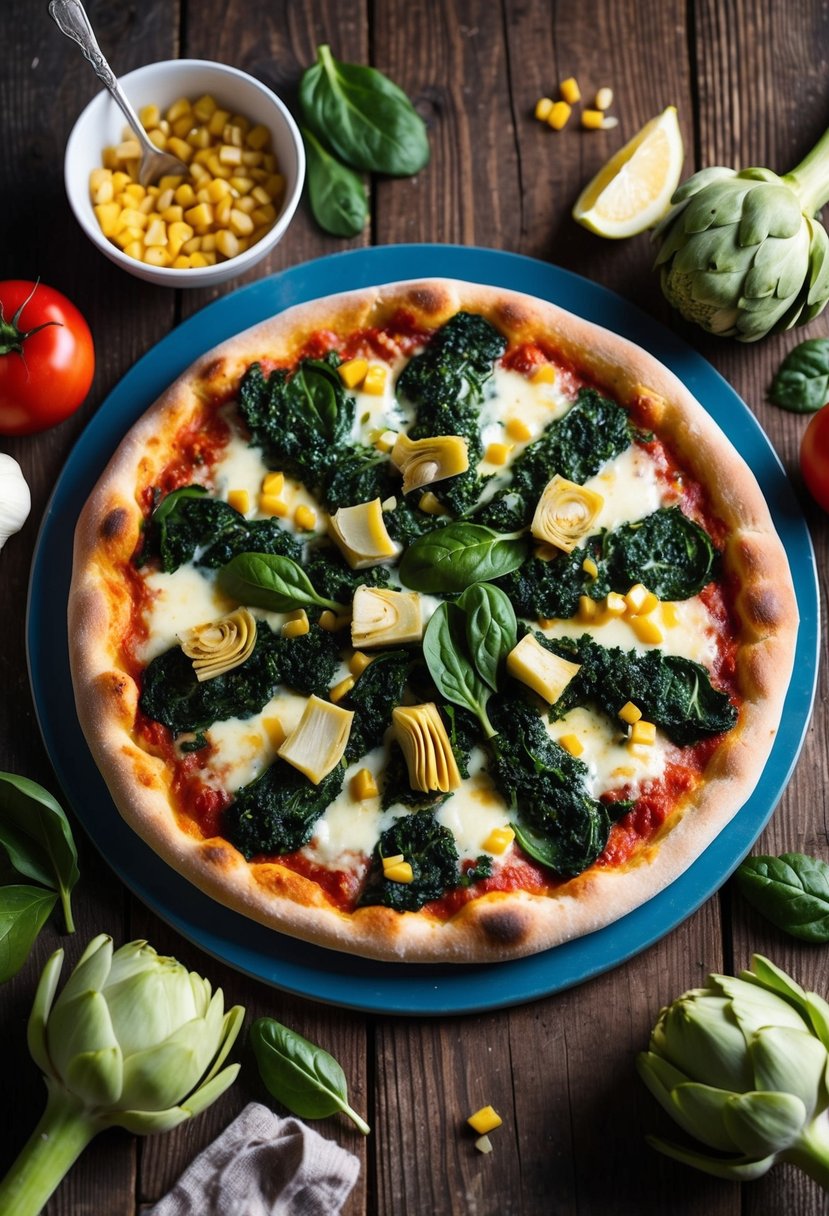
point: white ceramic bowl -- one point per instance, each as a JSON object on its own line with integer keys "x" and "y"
{"x": 161, "y": 84}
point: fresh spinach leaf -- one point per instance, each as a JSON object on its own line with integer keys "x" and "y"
{"x": 276, "y": 813}
{"x": 278, "y": 584}
{"x": 336, "y": 193}
{"x": 23, "y": 913}
{"x": 300, "y": 1075}
{"x": 668, "y": 552}
{"x": 491, "y": 628}
{"x": 802, "y": 380}
{"x": 450, "y": 559}
{"x": 430, "y": 850}
{"x": 36, "y": 835}
{"x": 451, "y": 666}
{"x": 792, "y": 891}
{"x": 363, "y": 116}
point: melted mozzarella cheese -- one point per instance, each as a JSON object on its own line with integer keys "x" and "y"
{"x": 610, "y": 760}
{"x": 180, "y": 601}
{"x": 348, "y": 830}
{"x": 472, "y": 812}
{"x": 630, "y": 489}
{"x": 686, "y": 631}
{"x": 243, "y": 748}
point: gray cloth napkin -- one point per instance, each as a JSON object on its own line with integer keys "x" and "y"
{"x": 262, "y": 1165}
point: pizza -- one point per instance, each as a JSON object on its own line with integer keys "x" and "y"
{"x": 429, "y": 622}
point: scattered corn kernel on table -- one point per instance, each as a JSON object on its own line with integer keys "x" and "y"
{"x": 559, "y": 1070}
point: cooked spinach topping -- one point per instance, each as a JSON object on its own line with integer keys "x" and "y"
{"x": 190, "y": 525}
{"x": 674, "y": 692}
{"x": 172, "y": 694}
{"x": 429, "y": 849}
{"x": 445, "y": 383}
{"x": 308, "y": 662}
{"x": 377, "y": 690}
{"x": 299, "y": 419}
{"x": 557, "y": 822}
{"x": 276, "y": 813}
{"x": 593, "y": 431}
{"x": 668, "y": 552}
{"x": 332, "y": 576}
{"x": 406, "y": 523}
{"x": 361, "y": 474}
{"x": 552, "y": 588}
{"x": 397, "y": 789}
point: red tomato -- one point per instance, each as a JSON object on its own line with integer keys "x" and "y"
{"x": 814, "y": 457}
{"x": 45, "y": 373}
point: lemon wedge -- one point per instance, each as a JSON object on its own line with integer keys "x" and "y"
{"x": 634, "y": 188}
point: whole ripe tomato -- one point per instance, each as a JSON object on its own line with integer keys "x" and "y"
{"x": 814, "y": 457}
{"x": 47, "y": 359}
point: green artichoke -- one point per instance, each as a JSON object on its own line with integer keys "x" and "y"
{"x": 742, "y": 254}
{"x": 134, "y": 1040}
{"x": 742, "y": 1067}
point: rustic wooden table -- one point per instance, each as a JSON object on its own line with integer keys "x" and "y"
{"x": 749, "y": 81}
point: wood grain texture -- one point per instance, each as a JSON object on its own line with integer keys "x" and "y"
{"x": 561, "y": 1071}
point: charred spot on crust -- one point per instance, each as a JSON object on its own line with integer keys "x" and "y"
{"x": 514, "y": 316}
{"x": 762, "y": 606}
{"x": 114, "y": 523}
{"x": 429, "y": 299}
{"x": 504, "y": 926}
{"x": 214, "y": 370}
{"x": 217, "y": 855}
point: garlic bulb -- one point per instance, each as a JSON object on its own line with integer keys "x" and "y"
{"x": 15, "y": 499}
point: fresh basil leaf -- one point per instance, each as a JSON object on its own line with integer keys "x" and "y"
{"x": 35, "y": 833}
{"x": 23, "y": 913}
{"x": 451, "y": 668}
{"x": 336, "y": 194}
{"x": 792, "y": 891}
{"x": 265, "y": 580}
{"x": 300, "y": 1075}
{"x": 363, "y": 116}
{"x": 802, "y": 380}
{"x": 450, "y": 559}
{"x": 491, "y": 628}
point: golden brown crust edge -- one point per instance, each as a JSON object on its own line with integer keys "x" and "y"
{"x": 497, "y": 926}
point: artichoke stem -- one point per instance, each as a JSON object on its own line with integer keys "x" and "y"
{"x": 810, "y": 179}
{"x": 811, "y": 1153}
{"x": 60, "y": 1137}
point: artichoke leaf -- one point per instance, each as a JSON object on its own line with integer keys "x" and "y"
{"x": 770, "y": 209}
{"x": 565, "y": 513}
{"x": 698, "y": 181}
{"x": 762, "y": 1123}
{"x": 700, "y": 1110}
{"x": 426, "y": 748}
{"x": 382, "y": 617}
{"x": 544, "y": 672}
{"x": 740, "y": 1169}
{"x": 217, "y": 647}
{"x": 792, "y": 1061}
{"x": 424, "y": 461}
{"x": 316, "y": 744}
{"x": 361, "y": 535}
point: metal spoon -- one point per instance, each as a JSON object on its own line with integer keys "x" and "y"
{"x": 71, "y": 20}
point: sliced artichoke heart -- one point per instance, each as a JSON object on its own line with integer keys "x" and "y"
{"x": 219, "y": 646}
{"x": 380, "y": 617}
{"x": 541, "y": 670}
{"x": 422, "y": 461}
{"x": 316, "y": 744}
{"x": 361, "y": 535}
{"x": 565, "y": 513}
{"x": 425, "y": 745}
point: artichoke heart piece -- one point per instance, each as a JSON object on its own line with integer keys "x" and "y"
{"x": 541, "y": 670}
{"x": 361, "y": 535}
{"x": 422, "y": 461}
{"x": 425, "y": 745}
{"x": 565, "y": 513}
{"x": 218, "y": 646}
{"x": 316, "y": 744}
{"x": 380, "y": 617}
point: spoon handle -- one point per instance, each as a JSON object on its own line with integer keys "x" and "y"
{"x": 71, "y": 19}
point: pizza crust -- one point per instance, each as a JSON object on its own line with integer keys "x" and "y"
{"x": 498, "y": 925}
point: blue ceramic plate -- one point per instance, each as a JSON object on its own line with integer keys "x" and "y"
{"x": 294, "y": 966}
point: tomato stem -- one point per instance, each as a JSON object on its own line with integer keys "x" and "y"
{"x": 11, "y": 335}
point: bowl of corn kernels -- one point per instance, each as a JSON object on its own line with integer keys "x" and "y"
{"x": 245, "y": 170}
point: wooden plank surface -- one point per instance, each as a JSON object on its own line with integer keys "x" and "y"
{"x": 560, "y": 1070}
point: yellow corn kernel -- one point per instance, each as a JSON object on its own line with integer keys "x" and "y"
{"x": 239, "y": 500}
{"x": 108, "y": 215}
{"x": 570, "y": 90}
{"x": 546, "y": 622}
{"x": 592, "y": 119}
{"x": 128, "y": 150}
{"x": 173, "y": 215}
{"x": 402, "y": 872}
{"x": 542, "y": 108}
{"x": 647, "y": 630}
{"x": 273, "y": 483}
{"x": 180, "y": 148}
{"x": 199, "y": 138}
{"x": 588, "y": 609}
{"x": 258, "y": 137}
{"x": 603, "y": 99}
{"x": 274, "y": 730}
{"x": 545, "y": 374}
{"x": 104, "y": 192}
{"x": 240, "y": 223}
{"x": 559, "y": 115}
{"x": 264, "y": 215}
{"x": 385, "y": 441}
{"x": 227, "y": 243}
{"x": 484, "y": 1120}
{"x": 518, "y": 430}
{"x": 375, "y": 380}
{"x": 184, "y": 195}
{"x": 328, "y": 621}
{"x": 392, "y": 861}
{"x": 670, "y": 615}
{"x": 199, "y": 259}
{"x": 183, "y": 126}
{"x": 260, "y": 194}
{"x": 615, "y": 604}
{"x": 156, "y": 256}
{"x": 217, "y": 189}
{"x": 270, "y": 504}
{"x": 109, "y": 159}
{"x": 358, "y": 662}
{"x": 120, "y": 180}
{"x": 192, "y": 246}
{"x": 363, "y": 785}
{"x": 170, "y": 181}
{"x": 572, "y": 744}
{"x": 342, "y": 689}
{"x": 150, "y": 117}
{"x": 242, "y": 184}
{"x": 156, "y": 233}
{"x": 636, "y": 598}
{"x": 204, "y": 108}
{"x": 297, "y": 624}
{"x": 128, "y": 236}
{"x": 200, "y": 216}
{"x": 135, "y": 249}
{"x": 182, "y": 262}
{"x": 217, "y": 121}
{"x": 642, "y": 733}
{"x": 590, "y": 568}
{"x": 431, "y": 504}
{"x": 305, "y": 518}
{"x": 630, "y": 713}
{"x": 131, "y": 217}
{"x": 178, "y": 109}
{"x": 499, "y": 840}
{"x": 199, "y": 173}
{"x": 246, "y": 205}
{"x": 497, "y": 453}
{"x": 229, "y": 154}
